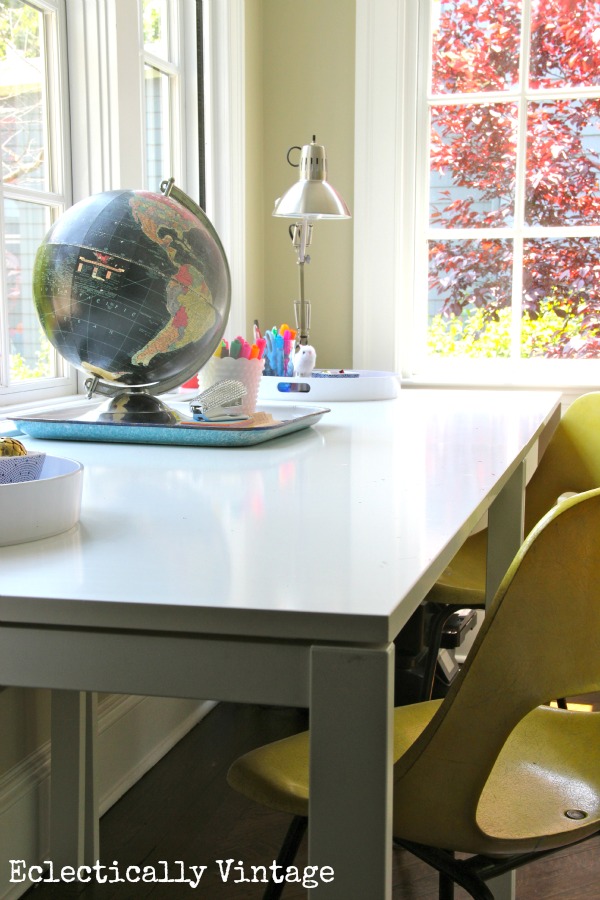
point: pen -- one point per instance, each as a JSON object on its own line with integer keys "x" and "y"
{"x": 287, "y": 346}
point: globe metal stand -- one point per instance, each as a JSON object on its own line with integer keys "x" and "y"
{"x": 136, "y": 407}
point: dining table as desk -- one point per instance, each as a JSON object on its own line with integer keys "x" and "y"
{"x": 273, "y": 574}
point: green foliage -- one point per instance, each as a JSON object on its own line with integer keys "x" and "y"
{"x": 473, "y": 334}
{"x": 20, "y": 370}
{"x": 152, "y": 22}
{"x": 19, "y": 29}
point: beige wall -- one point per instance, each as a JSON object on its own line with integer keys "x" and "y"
{"x": 24, "y": 724}
{"x": 300, "y": 82}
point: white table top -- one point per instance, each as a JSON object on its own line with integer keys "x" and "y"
{"x": 335, "y": 532}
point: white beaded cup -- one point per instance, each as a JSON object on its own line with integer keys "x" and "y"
{"x": 248, "y": 371}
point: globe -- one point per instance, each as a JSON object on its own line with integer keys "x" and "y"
{"x": 133, "y": 288}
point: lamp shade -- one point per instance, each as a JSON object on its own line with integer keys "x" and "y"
{"x": 312, "y": 197}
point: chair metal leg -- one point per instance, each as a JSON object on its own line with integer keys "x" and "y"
{"x": 450, "y": 869}
{"x": 446, "y": 887}
{"x": 287, "y": 854}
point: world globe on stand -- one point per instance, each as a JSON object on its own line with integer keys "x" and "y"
{"x": 133, "y": 288}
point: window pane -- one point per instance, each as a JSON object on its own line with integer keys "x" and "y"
{"x": 158, "y": 153}
{"x": 475, "y": 45}
{"x": 25, "y": 226}
{"x": 561, "y": 298}
{"x": 565, "y": 38}
{"x": 156, "y": 30}
{"x": 563, "y": 149}
{"x": 469, "y": 298}
{"x": 22, "y": 99}
{"x": 472, "y": 163}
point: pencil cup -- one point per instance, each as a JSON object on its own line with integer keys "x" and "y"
{"x": 248, "y": 371}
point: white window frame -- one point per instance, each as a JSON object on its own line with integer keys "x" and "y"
{"x": 390, "y": 199}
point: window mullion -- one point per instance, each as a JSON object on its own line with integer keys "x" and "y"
{"x": 58, "y": 114}
{"x": 31, "y": 195}
{"x": 413, "y": 193}
{"x": 163, "y": 65}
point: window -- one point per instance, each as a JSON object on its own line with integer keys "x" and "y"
{"x": 162, "y": 88}
{"x": 35, "y": 186}
{"x": 495, "y": 206}
{"x": 129, "y": 132}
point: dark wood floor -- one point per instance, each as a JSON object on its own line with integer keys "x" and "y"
{"x": 184, "y": 810}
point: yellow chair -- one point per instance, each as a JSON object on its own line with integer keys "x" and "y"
{"x": 491, "y": 770}
{"x": 571, "y": 463}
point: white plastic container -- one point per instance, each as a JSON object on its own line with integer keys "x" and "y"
{"x": 353, "y": 384}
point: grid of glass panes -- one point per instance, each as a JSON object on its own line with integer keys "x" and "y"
{"x": 31, "y": 196}
{"x": 161, "y": 79}
{"x": 514, "y": 179}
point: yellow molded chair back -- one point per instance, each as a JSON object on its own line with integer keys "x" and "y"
{"x": 491, "y": 770}
{"x": 495, "y": 771}
{"x": 571, "y": 462}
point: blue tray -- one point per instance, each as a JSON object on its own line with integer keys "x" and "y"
{"x": 71, "y": 425}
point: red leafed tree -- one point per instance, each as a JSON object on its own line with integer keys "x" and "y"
{"x": 474, "y": 147}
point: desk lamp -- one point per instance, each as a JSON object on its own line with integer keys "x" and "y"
{"x": 310, "y": 198}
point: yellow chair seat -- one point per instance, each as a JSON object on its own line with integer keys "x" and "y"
{"x": 276, "y": 775}
{"x": 542, "y": 772}
{"x": 524, "y": 800}
{"x": 462, "y": 583}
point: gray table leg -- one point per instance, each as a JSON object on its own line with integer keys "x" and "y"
{"x": 505, "y": 529}
{"x": 351, "y": 770}
{"x": 73, "y": 798}
{"x": 504, "y": 887}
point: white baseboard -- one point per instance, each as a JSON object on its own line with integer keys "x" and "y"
{"x": 133, "y": 734}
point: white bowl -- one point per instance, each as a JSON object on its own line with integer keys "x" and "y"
{"x": 31, "y": 510}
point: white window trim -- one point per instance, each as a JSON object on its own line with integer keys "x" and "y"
{"x": 107, "y": 142}
{"x": 382, "y": 72}
{"x": 385, "y": 204}
{"x": 225, "y": 112}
